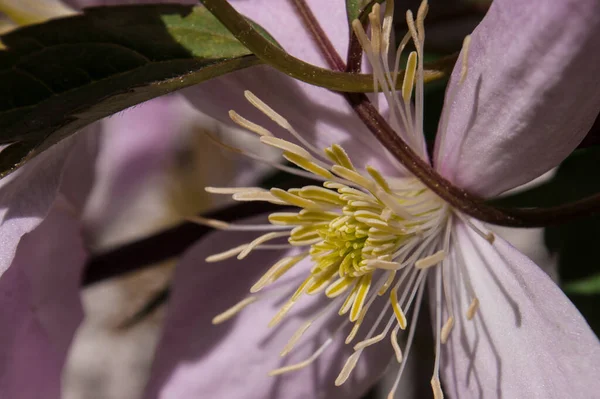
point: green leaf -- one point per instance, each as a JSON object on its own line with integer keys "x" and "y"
{"x": 58, "y": 77}
{"x": 586, "y": 286}
{"x": 355, "y": 7}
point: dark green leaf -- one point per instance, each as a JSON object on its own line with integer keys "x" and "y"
{"x": 58, "y": 77}
{"x": 355, "y": 7}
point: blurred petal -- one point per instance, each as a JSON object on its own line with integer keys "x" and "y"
{"x": 527, "y": 339}
{"x": 25, "y": 12}
{"x": 317, "y": 114}
{"x": 40, "y": 307}
{"x": 27, "y": 195}
{"x": 232, "y": 360}
{"x": 531, "y": 94}
{"x": 136, "y": 145}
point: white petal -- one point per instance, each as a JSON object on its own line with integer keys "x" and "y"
{"x": 527, "y": 340}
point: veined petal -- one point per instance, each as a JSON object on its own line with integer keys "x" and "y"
{"x": 531, "y": 94}
{"x": 40, "y": 307}
{"x": 233, "y": 359}
{"x": 319, "y": 115}
{"x": 527, "y": 340}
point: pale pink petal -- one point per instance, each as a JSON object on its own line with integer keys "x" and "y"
{"x": 95, "y": 3}
{"x": 27, "y": 195}
{"x": 40, "y": 308}
{"x": 232, "y": 360}
{"x": 531, "y": 94}
{"x": 527, "y": 340}
{"x": 322, "y": 117}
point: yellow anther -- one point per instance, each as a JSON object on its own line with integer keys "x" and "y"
{"x": 286, "y": 146}
{"x": 446, "y": 329}
{"x": 347, "y": 369}
{"x": 409, "y": 76}
{"x": 361, "y": 295}
{"x": 472, "y": 309}
{"x": 398, "y": 312}
{"x": 232, "y": 311}
{"x": 430, "y": 260}
{"x": 307, "y": 165}
{"x": 246, "y": 124}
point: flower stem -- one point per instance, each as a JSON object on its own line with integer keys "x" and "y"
{"x": 455, "y": 196}
{"x": 336, "y": 80}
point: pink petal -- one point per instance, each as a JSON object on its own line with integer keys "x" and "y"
{"x": 135, "y": 145}
{"x": 319, "y": 115}
{"x": 95, "y": 3}
{"x": 531, "y": 94}
{"x": 40, "y": 308}
{"x": 27, "y": 195}
{"x": 232, "y": 360}
{"x": 527, "y": 339}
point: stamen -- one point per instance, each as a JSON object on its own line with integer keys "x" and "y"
{"x": 447, "y": 329}
{"x": 308, "y": 165}
{"x": 395, "y": 345}
{"x": 488, "y": 236}
{"x": 435, "y": 379}
{"x": 226, "y": 254}
{"x": 295, "y": 337}
{"x": 292, "y": 199}
{"x": 397, "y": 309}
{"x": 262, "y": 239}
{"x": 430, "y": 260}
{"x": 286, "y": 146}
{"x": 246, "y": 124}
{"x": 387, "y": 283}
{"x": 276, "y": 271}
{"x": 354, "y": 177}
{"x": 472, "y": 308}
{"x": 437, "y": 388}
{"x": 258, "y": 196}
{"x": 363, "y": 289}
{"x": 409, "y": 76}
{"x": 277, "y": 118}
{"x": 409, "y": 341}
{"x": 368, "y": 342}
{"x": 375, "y": 23}
{"x": 465, "y": 58}
{"x": 386, "y": 30}
{"x": 232, "y": 311}
{"x": 232, "y": 190}
{"x": 392, "y": 203}
{"x": 421, "y": 14}
{"x": 303, "y": 364}
{"x": 348, "y": 367}
{"x": 379, "y": 179}
{"x": 221, "y": 225}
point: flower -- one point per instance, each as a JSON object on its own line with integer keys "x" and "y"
{"x": 502, "y": 327}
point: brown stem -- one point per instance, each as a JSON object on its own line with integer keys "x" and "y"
{"x": 457, "y": 197}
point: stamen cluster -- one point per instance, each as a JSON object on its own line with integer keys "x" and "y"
{"x": 365, "y": 235}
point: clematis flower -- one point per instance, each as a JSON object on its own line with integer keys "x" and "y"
{"x": 362, "y": 247}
